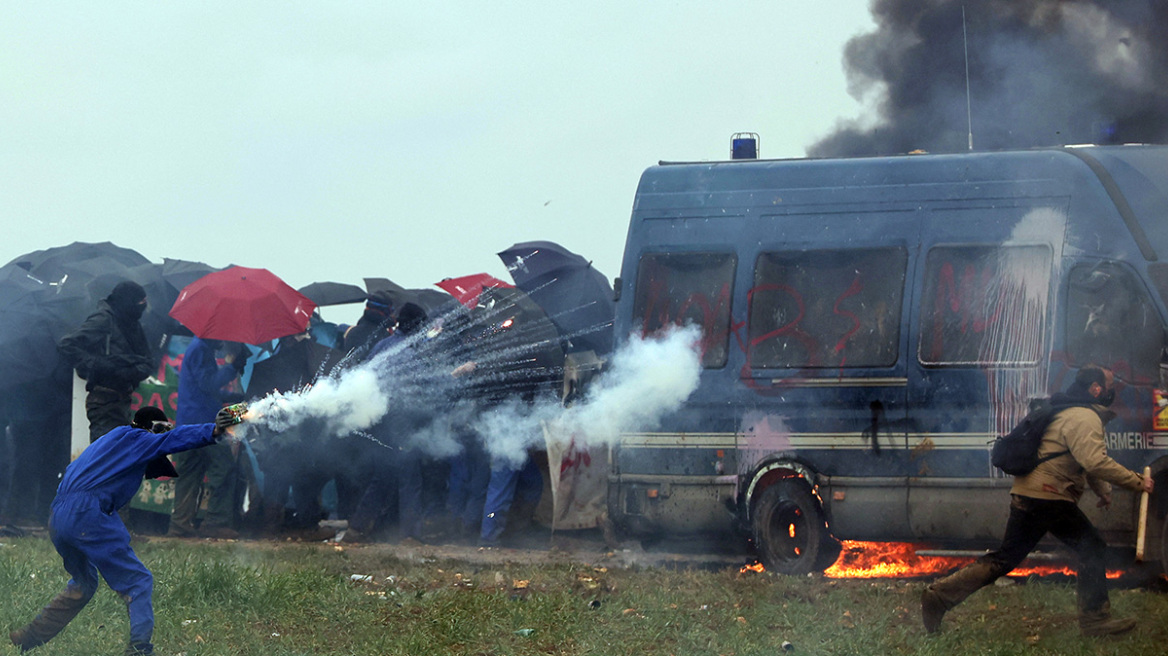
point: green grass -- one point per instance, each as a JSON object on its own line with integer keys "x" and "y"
{"x": 293, "y": 599}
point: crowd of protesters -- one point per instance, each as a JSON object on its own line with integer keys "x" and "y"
{"x": 385, "y": 487}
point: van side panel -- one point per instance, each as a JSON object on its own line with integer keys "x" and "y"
{"x": 871, "y": 325}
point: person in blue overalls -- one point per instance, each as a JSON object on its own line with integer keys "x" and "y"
{"x": 89, "y": 535}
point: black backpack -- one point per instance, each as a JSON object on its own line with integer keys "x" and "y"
{"x": 1016, "y": 453}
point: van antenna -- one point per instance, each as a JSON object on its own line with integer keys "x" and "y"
{"x": 968, "y": 107}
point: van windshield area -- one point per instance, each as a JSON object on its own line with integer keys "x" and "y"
{"x": 828, "y": 308}
{"x": 1111, "y": 321}
{"x": 985, "y": 305}
{"x": 688, "y": 288}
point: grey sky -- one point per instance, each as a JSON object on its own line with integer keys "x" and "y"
{"x": 333, "y": 141}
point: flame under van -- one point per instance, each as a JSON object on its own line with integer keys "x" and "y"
{"x": 869, "y": 326}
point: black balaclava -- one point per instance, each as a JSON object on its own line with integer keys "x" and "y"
{"x": 126, "y": 300}
{"x": 147, "y": 415}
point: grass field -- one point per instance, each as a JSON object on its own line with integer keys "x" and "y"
{"x": 280, "y": 599}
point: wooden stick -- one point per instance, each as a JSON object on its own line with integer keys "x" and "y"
{"x": 1142, "y": 527}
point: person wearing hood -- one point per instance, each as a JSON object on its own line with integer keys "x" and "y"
{"x": 110, "y": 352}
{"x": 376, "y": 323}
{"x": 1046, "y": 501}
{"x": 88, "y": 535}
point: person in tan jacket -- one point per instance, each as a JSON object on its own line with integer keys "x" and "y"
{"x": 1073, "y": 456}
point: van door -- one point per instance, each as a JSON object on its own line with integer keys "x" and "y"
{"x": 982, "y": 338}
{"x": 824, "y": 357}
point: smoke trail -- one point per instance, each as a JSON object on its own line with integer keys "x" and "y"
{"x": 410, "y": 384}
{"x": 1041, "y": 73}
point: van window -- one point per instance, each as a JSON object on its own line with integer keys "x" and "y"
{"x": 681, "y": 288}
{"x": 838, "y": 308}
{"x": 1112, "y": 322}
{"x": 984, "y": 305}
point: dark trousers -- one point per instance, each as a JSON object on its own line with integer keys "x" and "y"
{"x": 1030, "y": 520}
{"x": 106, "y": 409}
{"x": 217, "y": 463}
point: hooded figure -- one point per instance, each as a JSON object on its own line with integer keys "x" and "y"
{"x": 89, "y": 536}
{"x": 375, "y": 324}
{"x": 110, "y": 352}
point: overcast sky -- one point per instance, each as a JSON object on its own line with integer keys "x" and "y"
{"x": 335, "y": 141}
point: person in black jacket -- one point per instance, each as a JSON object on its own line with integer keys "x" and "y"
{"x": 109, "y": 350}
{"x": 376, "y": 323}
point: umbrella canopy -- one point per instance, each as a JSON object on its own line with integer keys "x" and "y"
{"x": 577, "y": 298}
{"x": 385, "y": 287}
{"x": 516, "y": 348}
{"x": 333, "y": 293}
{"x": 533, "y": 259}
{"x": 434, "y": 302}
{"x": 33, "y": 316}
{"x": 241, "y": 304}
{"x": 52, "y": 264}
{"x": 466, "y": 290}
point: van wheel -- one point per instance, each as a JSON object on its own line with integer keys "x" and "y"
{"x": 789, "y": 529}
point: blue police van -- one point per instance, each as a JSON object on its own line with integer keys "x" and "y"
{"x": 870, "y": 325}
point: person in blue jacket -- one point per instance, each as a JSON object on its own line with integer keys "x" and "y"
{"x": 201, "y": 394}
{"x": 89, "y": 535}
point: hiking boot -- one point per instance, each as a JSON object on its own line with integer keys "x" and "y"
{"x": 932, "y": 610}
{"x": 180, "y": 531}
{"x": 1101, "y": 623}
{"x": 19, "y": 638}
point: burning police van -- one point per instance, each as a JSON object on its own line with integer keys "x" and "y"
{"x": 869, "y": 326}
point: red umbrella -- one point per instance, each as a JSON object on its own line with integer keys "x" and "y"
{"x": 467, "y": 288}
{"x": 239, "y": 304}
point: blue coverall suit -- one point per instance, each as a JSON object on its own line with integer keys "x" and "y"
{"x": 89, "y": 535}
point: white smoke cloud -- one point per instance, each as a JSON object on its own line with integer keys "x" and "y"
{"x": 647, "y": 378}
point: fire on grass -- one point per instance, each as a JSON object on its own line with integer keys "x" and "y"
{"x": 874, "y": 560}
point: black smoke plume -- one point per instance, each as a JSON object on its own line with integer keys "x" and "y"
{"x": 1041, "y": 73}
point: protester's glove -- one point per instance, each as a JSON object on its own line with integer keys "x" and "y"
{"x": 226, "y": 418}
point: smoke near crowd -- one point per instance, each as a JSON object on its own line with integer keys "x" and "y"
{"x": 1040, "y": 73}
{"x": 407, "y": 396}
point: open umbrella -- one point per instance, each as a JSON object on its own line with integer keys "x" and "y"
{"x": 241, "y": 304}
{"x": 466, "y": 289}
{"x": 51, "y": 264}
{"x": 333, "y": 293}
{"x": 516, "y": 348}
{"x": 33, "y": 316}
{"x": 577, "y": 298}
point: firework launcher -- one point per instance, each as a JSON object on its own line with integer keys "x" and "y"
{"x": 237, "y": 412}
{"x": 229, "y": 417}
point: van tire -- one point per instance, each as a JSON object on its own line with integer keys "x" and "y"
{"x": 789, "y": 529}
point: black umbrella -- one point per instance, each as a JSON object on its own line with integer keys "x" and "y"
{"x": 180, "y": 273}
{"x": 54, "y": 263}
{"x": 333, "y": 293}
{"x": 33, "y": 316}
{"x": 515, "y": 346}
{"x": 434, "y": 302}
{"x": 398, "y": 294}
{"x": 576, "y": 297}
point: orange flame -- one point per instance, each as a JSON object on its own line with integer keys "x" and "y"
{"x": 869, "y": 560}
{"x": 876, "y": 560}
